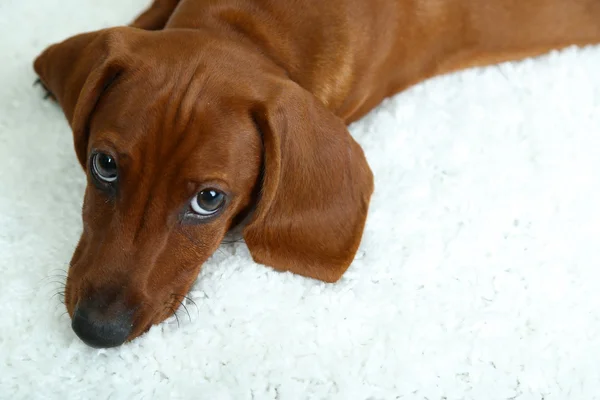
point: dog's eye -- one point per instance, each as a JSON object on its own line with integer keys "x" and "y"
{"x": 104, "y": 167}
{"x": 207, "y": 202}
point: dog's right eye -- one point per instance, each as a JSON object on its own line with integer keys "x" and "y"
{"x": 104, "y": 167}
{"x": 208, "y": 202}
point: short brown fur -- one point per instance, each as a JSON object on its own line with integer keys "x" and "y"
{"x": 253, "y": 97}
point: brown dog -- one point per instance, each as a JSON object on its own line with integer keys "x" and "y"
{"x": 209, "y": 115}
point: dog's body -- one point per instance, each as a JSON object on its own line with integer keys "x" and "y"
{"x": 351, "y": 54}
{"x": 232, "y": 115}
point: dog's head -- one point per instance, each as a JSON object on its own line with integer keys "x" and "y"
{"x": 183, "y": 137}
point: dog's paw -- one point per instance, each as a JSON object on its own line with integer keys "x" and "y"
{"x": 48, "y": 94}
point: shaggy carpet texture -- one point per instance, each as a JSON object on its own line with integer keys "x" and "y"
{"x": 477, "y": 278}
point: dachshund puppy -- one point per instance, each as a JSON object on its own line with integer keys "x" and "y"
{"x": 207, "y": 116}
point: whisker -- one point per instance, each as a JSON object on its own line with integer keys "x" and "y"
{"x": 62, "y": 274}
{"x": 185, "y": 308}
{"x": 53, "y": 286}
{"x": 175, "y": 314}
{"x": 49, "y": 291}
{"x": 60, "y": 279}
{"x": 56, "y": 273}
{"x": 52, "y": 279}
{"x": 60, "y": 303}
{"x": 59, "y": 270}
{"x": 184, "y": 297}
{"x": 232, "y": 241}
{"x": 57, "y": 279}
{"x": 192, "y": 301}
{"x": 61, "y": 293}
{"x": 57, "y": 282}
{"x": 220, "y": 250}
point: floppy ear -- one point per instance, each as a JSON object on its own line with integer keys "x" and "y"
{"x": 76, "y": 72}
{"x": 315, "y": 191}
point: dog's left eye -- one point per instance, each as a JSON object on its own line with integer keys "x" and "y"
{"x": 104, "y": 167}
{"x": 207, "y": 202}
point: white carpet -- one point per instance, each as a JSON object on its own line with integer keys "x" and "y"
{"x": 478, "y": 276}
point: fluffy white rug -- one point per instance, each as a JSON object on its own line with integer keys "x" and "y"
{"x": 477, "y": 277}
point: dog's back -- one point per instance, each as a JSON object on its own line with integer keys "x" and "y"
{"x": 352, "y": 53}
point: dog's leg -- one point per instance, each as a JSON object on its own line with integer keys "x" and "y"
{"x": 156, "y": 16}
{"x": 506, "y": 30}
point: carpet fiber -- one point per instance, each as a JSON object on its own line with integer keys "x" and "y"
{"x": 477, "y": 277}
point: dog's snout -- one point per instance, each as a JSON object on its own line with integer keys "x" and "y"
{"x": 97, "y": 329}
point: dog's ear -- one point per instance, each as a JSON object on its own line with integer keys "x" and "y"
{"x": 316, "y": 188}
{"x": 77, "y": 71}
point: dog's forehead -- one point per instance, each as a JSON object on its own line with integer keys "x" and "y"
{"x": 222, "y": 148}
{"x": 206, "y": 139}
{"x": 138, "y": 105}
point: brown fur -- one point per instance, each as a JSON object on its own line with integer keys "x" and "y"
{"x": 252, "y": 97}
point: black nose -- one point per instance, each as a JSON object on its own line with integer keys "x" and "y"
{"x": 97, "y": 330}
